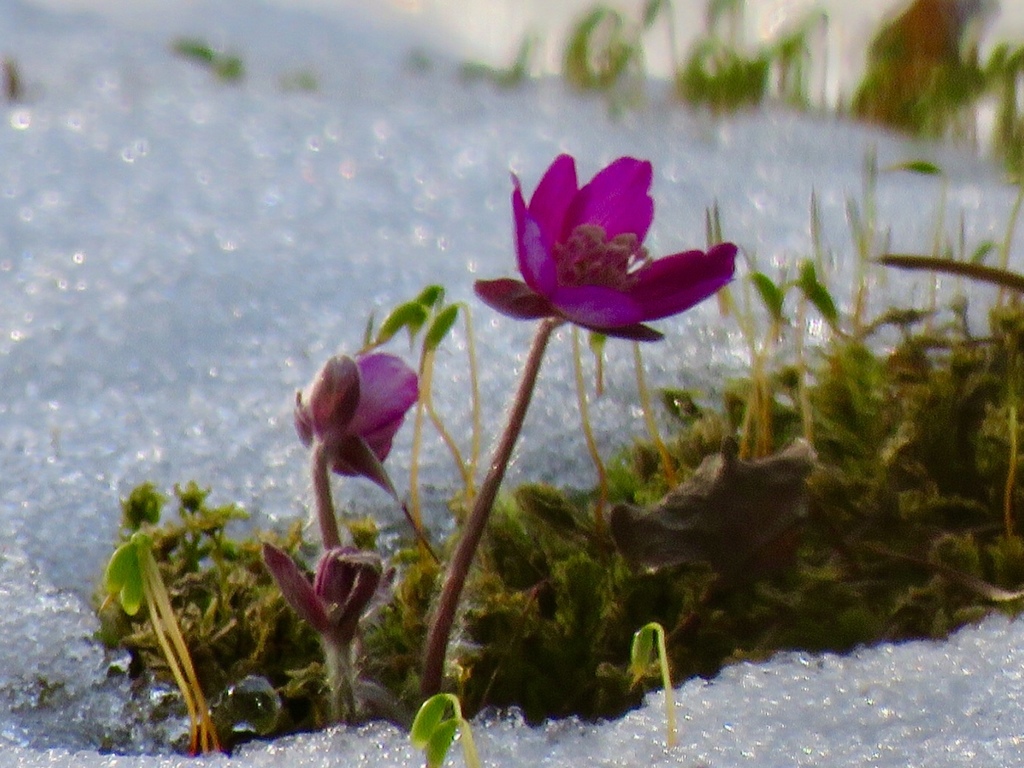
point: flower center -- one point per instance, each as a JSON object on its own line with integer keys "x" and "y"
{"x": 588, "y": 257}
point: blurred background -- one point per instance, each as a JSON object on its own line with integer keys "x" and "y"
{"x": 490, "y": 31}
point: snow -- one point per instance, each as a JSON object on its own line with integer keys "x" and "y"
{"x": 177, "y": 256}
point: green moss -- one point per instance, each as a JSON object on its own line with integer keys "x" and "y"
{"x": 232, "y": 615}
{"x": 904, "y": 539}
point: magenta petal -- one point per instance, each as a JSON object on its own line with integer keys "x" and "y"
{"x": 513, "y": 298}
{"x": 536, "y": 263}
{"x": 380, "y": 439}
{"x": 675, "y": 283}
{"x": 597, "y": 306}
{"x": 388, "y": 388}
{"x": 552, "y": 197}
{"x": 617, "y": 199}
{"x": 295, "y": 588}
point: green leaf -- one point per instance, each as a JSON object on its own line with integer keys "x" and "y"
{"x": 429, "y": 717}
{"x": 922, "y": 167}
{"x": 440, "y": 326}
{"x": 411, "y": 315}
{"x": 771, "y": 295}
{"x": 818, "y": 294}
{"x": 641, "y": 654}
{"x": 440, "y": 742}
{"x": 195, "y": 49}
{"x": 982, "y": 251}
{"x": 431, "y": 296}
{"x": 123, "y": 577}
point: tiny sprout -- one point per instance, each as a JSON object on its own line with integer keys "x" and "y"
{"x": 431, "y": 296}
{"x": 133, "y": 577}
{"x": 599, "y": 51}
{"x": 409, "y": 316}
{"x": 440, "y": 326}
{"x": 982, "y": 251}
{"x": 816, "y": 293}
{"x": 433, "y": 731}
{"x": 123, "y": 577}
{"x": 772, "y": 296}
{"x": 640, "y": 660}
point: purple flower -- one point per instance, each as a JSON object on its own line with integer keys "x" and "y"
{"x": 354, "y": 408}
{"x": 581, "y": 255}
{"x": 346, "y": 586}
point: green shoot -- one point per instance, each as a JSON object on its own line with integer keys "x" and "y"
{"x": 863, "y": 226}
{"x": 434, "y": 730}
{"x": 429, "y": 313}
{"x": 133, "y": 577}
{"x": 588, "y": 432}
{"x": 815, "y": 293}
{"x": 597, "y": 341}
{"x": 668, "y": 468}
{"x": 641, "y": 657}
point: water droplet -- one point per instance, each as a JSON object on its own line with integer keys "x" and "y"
{"x": 21, "y": 119}
{"x": 249, "y": 706}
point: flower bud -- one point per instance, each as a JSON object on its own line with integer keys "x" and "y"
{"x": 346, "y": 582}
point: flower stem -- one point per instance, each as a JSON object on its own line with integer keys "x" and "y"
{"x": 474, "y": 385}
{"x": 325, "y": 515}
{"x": 462, "y": 558}
{"x": 341, "y": 680}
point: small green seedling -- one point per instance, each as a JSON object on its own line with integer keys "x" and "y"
{"x": 433, "y": 730}
{"x": 430, "y": 312}
{"x": 640, "y": 660}
{"x": 133, "y": 577}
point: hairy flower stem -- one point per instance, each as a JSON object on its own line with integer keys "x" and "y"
{"x": 321, "y": 473}
{"x": 465, "y": 550}
{"x": 341, "y": 680}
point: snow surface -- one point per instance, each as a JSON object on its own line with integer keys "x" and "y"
{"x": 177, "y": 256}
